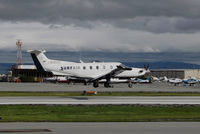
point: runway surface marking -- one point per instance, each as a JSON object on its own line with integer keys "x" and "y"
{"x": 95, "y": 100}
{"x": 110, "y": 127}
{"x": 23, "y": 130}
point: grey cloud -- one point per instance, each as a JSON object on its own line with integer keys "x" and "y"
{"x": 149, "y": 15}
{"x": 99, "y": 38}
{"x": 97, "y": 9}
{"x": 159, "y": 24}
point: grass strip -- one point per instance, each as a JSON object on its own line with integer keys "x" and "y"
{"x": 3, "y": 94}
{"x": 129, "y": 113}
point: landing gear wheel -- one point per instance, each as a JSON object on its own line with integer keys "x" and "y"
{"x": 96, "y": 84}
{"x": 130, "y": 84}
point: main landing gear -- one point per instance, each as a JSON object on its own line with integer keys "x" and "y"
{"x": 96, "y": 84}
{"x": 107, "y": 83}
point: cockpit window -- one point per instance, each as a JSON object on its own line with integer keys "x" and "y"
{"x": 141, "y": 71}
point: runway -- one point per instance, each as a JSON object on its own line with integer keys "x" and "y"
{"x": 100, "y": 100}
{"x": 108, "y": 127}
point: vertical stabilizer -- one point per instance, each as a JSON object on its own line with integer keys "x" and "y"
{"x": 39, "y": 59}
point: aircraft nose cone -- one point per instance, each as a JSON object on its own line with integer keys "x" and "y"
{"x": 148, "y": 71}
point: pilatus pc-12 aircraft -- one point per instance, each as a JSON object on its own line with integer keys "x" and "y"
{"x": 91, "y": 72}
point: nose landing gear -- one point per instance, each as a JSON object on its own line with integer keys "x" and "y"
{"x": 130, "y": 85}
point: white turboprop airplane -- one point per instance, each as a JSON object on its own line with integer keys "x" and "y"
{"x": 90, "y": 72}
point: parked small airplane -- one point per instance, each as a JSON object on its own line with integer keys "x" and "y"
{"x": 90, "y": 72}
{"x": 175, "y": 81}
{"x": 155, "y": 79}
{"x": 191, "y": 81}
{"x": 147, "y": 80}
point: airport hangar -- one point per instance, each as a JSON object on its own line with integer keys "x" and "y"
{"x": 27, "y": 73}
{"x": 176, "y": 73}
{"x": 30, "y": 71}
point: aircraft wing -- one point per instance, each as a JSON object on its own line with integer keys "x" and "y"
{"x": 112, "y": 73}
{"x": 60, "y": 74}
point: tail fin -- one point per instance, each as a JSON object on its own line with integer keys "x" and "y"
{"x": 39, "y": 59}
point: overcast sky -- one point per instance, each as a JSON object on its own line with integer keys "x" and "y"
{"x": 101, "y": 25}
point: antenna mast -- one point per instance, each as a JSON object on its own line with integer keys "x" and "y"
{"x": 19, "y": 52}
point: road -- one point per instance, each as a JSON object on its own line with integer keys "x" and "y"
{"x": 106, "y": 128}
{"x": 97, "y": 100}
{"x": 44, "y": 87}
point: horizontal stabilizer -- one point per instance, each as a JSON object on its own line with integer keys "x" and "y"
{"x": 36, "y": 51}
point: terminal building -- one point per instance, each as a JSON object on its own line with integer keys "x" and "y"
{"x": 176, "y": 73}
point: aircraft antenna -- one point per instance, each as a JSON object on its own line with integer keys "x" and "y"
{"x": 19, "y": 52}
{"x": 80, "y": 58}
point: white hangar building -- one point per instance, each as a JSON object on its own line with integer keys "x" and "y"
{"x": 176, "y": 73}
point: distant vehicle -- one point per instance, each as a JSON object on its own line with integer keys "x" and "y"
{"x": 3, "y": 78}
{"x": 90, "y": 72}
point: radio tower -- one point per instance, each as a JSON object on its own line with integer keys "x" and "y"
{"x": 19, "y": 52}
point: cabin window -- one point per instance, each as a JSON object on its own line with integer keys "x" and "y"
{"x": 104, "y": 67}
{"x": 91, "y": 67}
{"x": 70, "y": 67}
{"x": 97, "y": 67}
{"x": 84, "y": 67}
{"x": 111, "y": 67}
{"x": 74, "y": 67}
